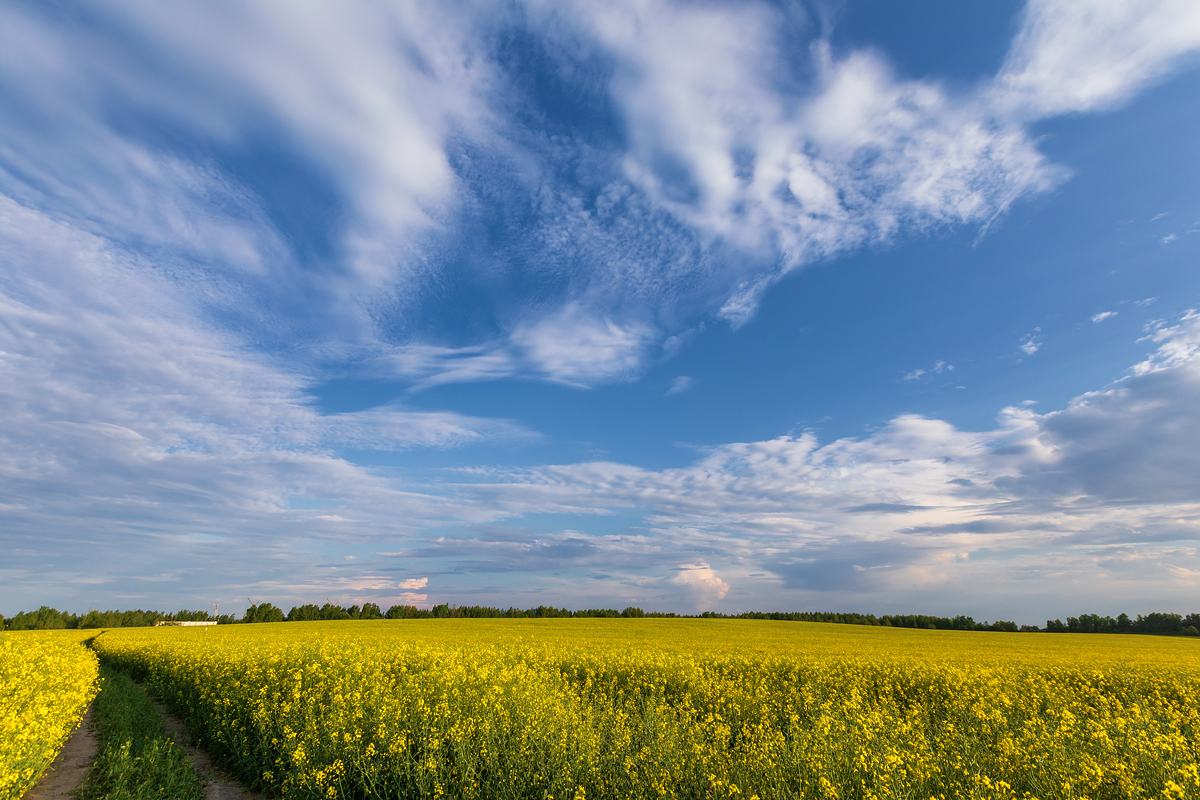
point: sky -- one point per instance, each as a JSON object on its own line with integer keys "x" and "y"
{"x": 690, "y": 306}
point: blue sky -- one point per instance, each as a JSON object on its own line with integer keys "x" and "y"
{"x": 688, "y": 306}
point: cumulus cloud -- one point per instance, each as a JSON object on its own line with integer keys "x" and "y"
{"x": 1099, "y": 491}
{"x": 1103, "y": 315}
{"x": 700, "y": 584}
{"x": 414, "y": 583}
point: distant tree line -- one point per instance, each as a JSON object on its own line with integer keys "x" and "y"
{"x": 959, "y": 623}
{"x": 46, "y": 618}
{"x": 1154, "y": 623}
{"x": 49, "y": 618}
{"x": 1157, "y": 623}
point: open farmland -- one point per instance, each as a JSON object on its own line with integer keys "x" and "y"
{"x": 47, "y": 679}
{"x": 678, "y": 708}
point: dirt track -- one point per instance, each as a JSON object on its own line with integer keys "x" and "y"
{"x": 218, "y": 786}
{"x": 71, "y": 765}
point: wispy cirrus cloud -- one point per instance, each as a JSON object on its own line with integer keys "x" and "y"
{"x": 130, "y": 425}
{"x": 938, "y": 368}
{"x": 713, "y": 149}
{"x": 368, "y": 96}
{"x": 1069, "y": 57}
{"x": 565, "y": 347}
{"x": 681, "y": 384}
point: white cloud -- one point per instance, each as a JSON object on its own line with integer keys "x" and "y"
{"x": 396, "y": 428}
{"x": 161, "y": 425}
{"x": 363, "y": 101}
{"x": 127, "y": 424}
{"x": 937, "y": 369}
{"x": 1071, "y": 57}
{"x": 742, "y": 157}
{"x": 1086, "y": 488}
{"x": 1178, "y": 345}
{"x": 681, "y": 384}
{"x": 700, "y": 584}
{"x": 433, "y": 365}
{"x": 1168, "y": 238}
{"x": 716, "y": 142}
{"x": 140, "y": 277}
{"x": 1103, "y": 315}
{"x": 1031, "y": 342}
{"x": 567, "y": 346}
{"x": 572, "y": 347}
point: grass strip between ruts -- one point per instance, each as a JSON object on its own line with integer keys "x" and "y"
{"x": 138, "y": 758}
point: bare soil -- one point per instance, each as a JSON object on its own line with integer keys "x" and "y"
{"x": 70, "y": 766}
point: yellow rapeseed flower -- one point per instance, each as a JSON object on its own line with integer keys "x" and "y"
{"x": 47, "y": 680}
{"x": 679, "y": 708}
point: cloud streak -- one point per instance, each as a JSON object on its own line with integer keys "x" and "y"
{"x": 716, "y": 148}
{"x": 1069, "y": 57}
{"x": 129, "y": 423}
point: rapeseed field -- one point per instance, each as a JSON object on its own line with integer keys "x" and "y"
{"x": 47, "y": 679}
{"x": 579, "y": 708}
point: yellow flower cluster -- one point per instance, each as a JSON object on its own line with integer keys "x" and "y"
{"x": 578, "y": 709}
{"x": 47, "y": 679}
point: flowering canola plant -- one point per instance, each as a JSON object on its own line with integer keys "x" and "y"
{"x": 47, "y": 679}
{"x": 575, "y": 709}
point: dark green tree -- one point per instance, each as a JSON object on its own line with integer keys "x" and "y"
{"x": 305, "y": 613}
{"x": 262, "y": 612}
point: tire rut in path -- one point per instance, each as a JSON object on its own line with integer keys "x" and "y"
{"x": 218, "y": 786}
{"x": 70, "y": 766}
